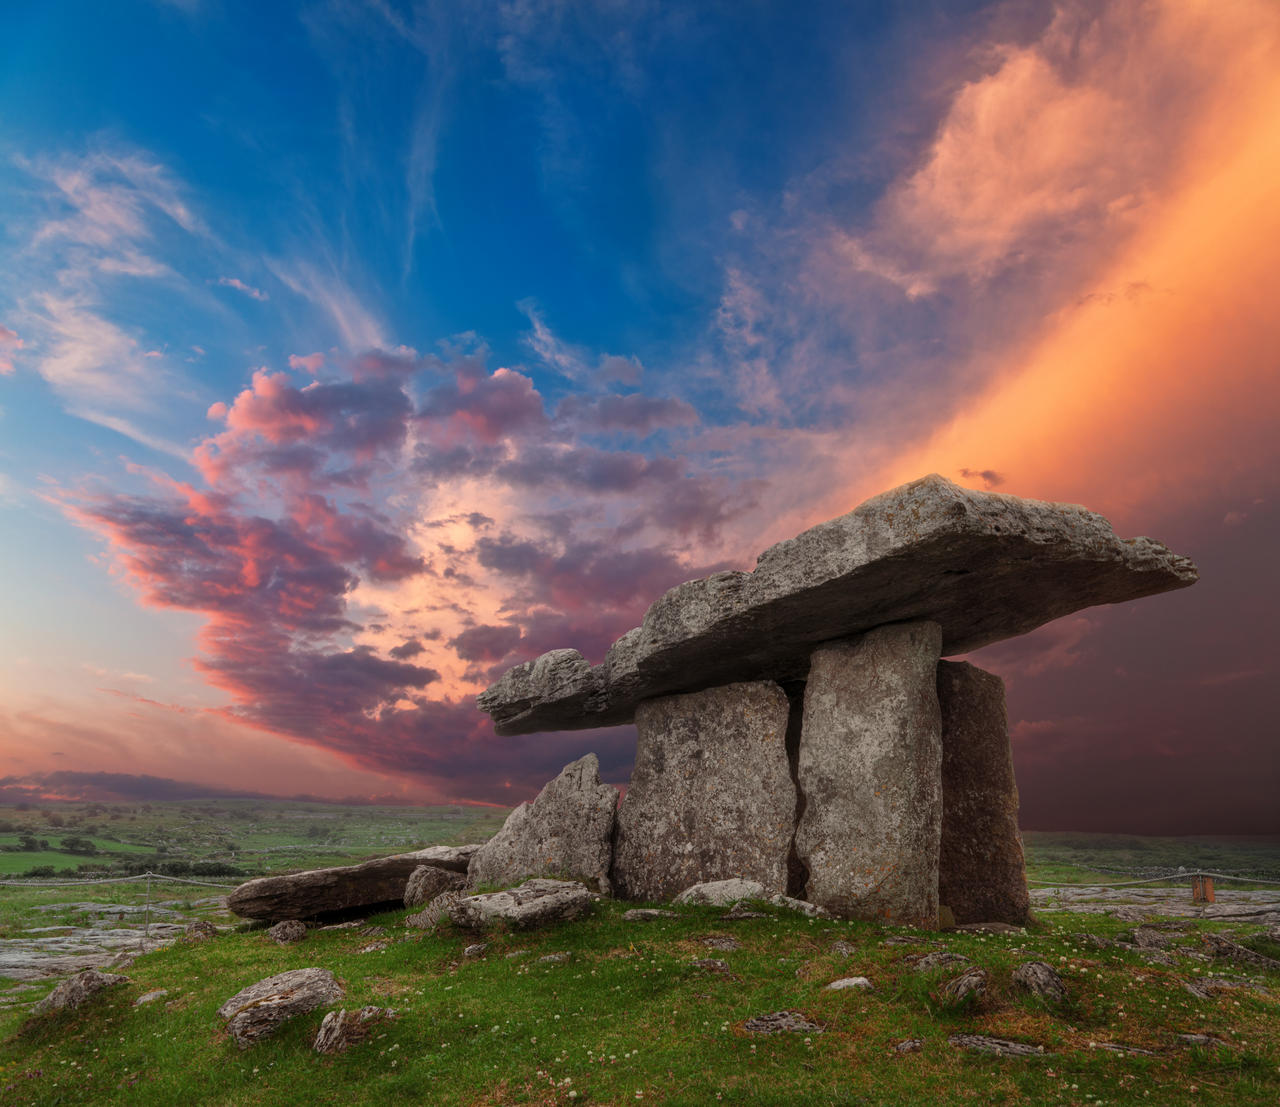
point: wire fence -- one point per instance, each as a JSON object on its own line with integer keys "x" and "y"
{"x": 1180, "y": 876}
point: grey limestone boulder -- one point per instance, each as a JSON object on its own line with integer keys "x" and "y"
{"x": 77, "y": 990}
{"x": 982, "y": 873}
{"x": 711, "y": 795}
{"x": 982, "y": 565}
{"x": 721, "y": 893}
{"x": 1041, "y": 980}
{"x": 870, "y": 776}
{"x": 258, "y": 1011}
{"x": 567, "y": 831}
{"x": 288, "y": 932}
{"x": 342, "y": 1029}
{"x": 427, "y": 881}
{"x": 535, "y": 903}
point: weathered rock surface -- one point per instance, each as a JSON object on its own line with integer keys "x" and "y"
{"x": 982, "y": 565}
{"x": 711, "y": 795}
{"x": 982, "y": 872}
{"x": 971, "y": 982}
{"x": 78, "y": 990}
{"x": 150, "y": 997}
{"x": 534, "y": 903}
{"x": 800, "y": 906}
{"x": 721, "y": 893}
{"x": 779, "y": 1022}
{"x": 566, "y": 832}
{"x": 1002, "y": 1047}
{"x": 259, "y": 1010}
{"x": 1042, "y": 980}
{"x": 861, "y": 983}
{"x": 342, "y": 1029}
{"x": 870, "y": 772}
{"x": 648, "y": 914}
{"x": 939, "y": 959}
{"x": 454, "y": 858}
{"x": 288, "y": 932}
{"x": 321, "y": 891}
{"x": 1225, "y": 948}
{"x": 427, "y": 881}
{"x": 429, "y": 917}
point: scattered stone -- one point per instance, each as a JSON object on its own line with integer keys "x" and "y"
{"x": 721, "y": 893}
{"x": 350, "y": 924}
{"x": 78, "y": 990}
{"x": 476, "y": 949}
{"x": 711, "y": 794}
{"x": 1003, "y": 1047}
{"x": 710, "y": 964}
{"x": 843, "y": 948}
{"x": 982, "y": 872}
{"x": 910, "y": 1045}
{"x": 990, "y": 928}
{"x": 1097, "y": 941}
{"x": 342, "y": 1029}
{"x": 778, "y": 1022}
{"x": 321, "y": 891}
{"x": 971, "y": 982}
{"x": 374, "y": 947}
{"x": 429, "y": 917}
{"x": 288, "y": 932}
{"x": 1149, "y": 937}
{"x": 803, "y": 907}
{"x": 517, "y": 953}
{"x": 1203, "y": 987}
{"x": 740, "y": 911}
{"x": 1040, "y": 980}
{"x": 375, "y": 931}
{"x": 553, "y": 959}
{"x": 566, "y": 831}
{"x": 199, "y": 930}
{"x": 983, "y": 565}
{"x": 715, "y": 941}
{"x": 869, "y": 769}
{"x": 428, "y": 881}
{"x": 534, "y": 903}
{"x": 648, "y": 914}
{"x": 1232, "y": 951}
{"x": 904, "y": 940}
{"x": 859, "y": 982}
{"x": 259, "y": 1010}
{"x": 1207, "y": 1041}
{"x": 939, "y": 959}
{"x": 1158, "y": 957}
{"x": 1116, "y": 1047}
{"x": 150, "y": 997}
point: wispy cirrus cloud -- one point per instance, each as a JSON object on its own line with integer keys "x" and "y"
{"x": 9, "y": 341}
{"x": 240, "y": 286}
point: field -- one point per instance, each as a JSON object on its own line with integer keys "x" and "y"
{"x": 629, "y": 1017}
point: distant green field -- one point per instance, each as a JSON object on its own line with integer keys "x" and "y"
{"x": 1074, "y": 858}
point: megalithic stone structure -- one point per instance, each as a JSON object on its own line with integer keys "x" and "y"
{"x": 901, "y": 784}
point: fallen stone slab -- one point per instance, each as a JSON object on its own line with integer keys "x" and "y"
{"x": 258, "y": 1011}
{"x": 342, "y": 1029}
{"x": 780, "y": 1022}
{"x": 982, "y": 565}
{"x": 78, "y": 990}
{"x": 1002, "y": 1047}
{"x": 567, "y": 831}
{"x": 534, "y": 903}
{"x": 307, "y": 895}
{"x": 721, "y": 893}
{"x": 428, "y": 881}
{"x": 711, "y": 794}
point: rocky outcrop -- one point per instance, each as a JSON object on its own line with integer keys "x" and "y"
{"x": 258, "y": 1011}
{"x": 982, "y": 565}
{"x": 982, "y": 873}
{"x": 535, "y": 903}
{"x": 870, "y": 773}
{"x": 318, "y": 892}
{"x": 711, "y": 795}
{"x": 77, "y": 990}
{"x": 426, "y": 882}
{"x": 567, "y": 832}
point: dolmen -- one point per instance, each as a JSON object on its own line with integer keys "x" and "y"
{"x": 798, "y": 726}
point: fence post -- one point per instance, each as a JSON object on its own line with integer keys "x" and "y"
{"x": 146, "y": 925}
{"x": 1201, "y": 888}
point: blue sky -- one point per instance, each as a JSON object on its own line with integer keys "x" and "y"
{"x": 352, "y": 351}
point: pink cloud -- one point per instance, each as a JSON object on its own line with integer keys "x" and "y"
{"x": 9, "y": 341}
{"x": 312, "y": 363}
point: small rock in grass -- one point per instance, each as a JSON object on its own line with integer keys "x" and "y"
{"x": 804, "y": 907}
{"x": 150, "y": 997}
{"x": 476, "y": 949}
{"x": 648, "y": 914}
{"x": 910, "y": 1045}
{"x": 350, "y": 924}
{"x": 199, "y": 930}
{"x": 288, "y": 932}
{"x": 971, "y": 982}
{"x": 259, "y": 1010}
{"x": 715, "y": 941}
{"x": 1003, "y": 1047}
{"x": 1116, "y": 1047}
{"x": 740, "y": 911}
{"x": 78, "y": 990}
{"x": 779, "y": 1022}
{"x": 859, "y": 982}
{"x": 939, "y": 959}
{"x": 374, "y": 931}
{"x": 843, "y": 948}
{"x": 721, "y": 893}
{"x": 990, "y": 928}
{"x": 710, "y": 964}
{"x": 374, "y": 947}
{"x": 1208, "y": 1041}
{"x": 342, "y": 1029}
{"x": 553, "y": 958}
{"x": 903, "y": 940}
{"x": 1041, "y": 980}
{"x": 516, "y": 953}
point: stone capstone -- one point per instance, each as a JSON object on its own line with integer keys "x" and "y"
{"x": 566, "y": 832}
{"x": 711, "y": 795}
{"x": 258, "y": 1011}
{"x": 77, "y": 990}
{"x": 534, "y": 903}
{"x": 983, "y": 566}
{"x": 869, "y": 773}
{"x": 427, "y": 881}
{"x": 306, "y": 895}
{"x": 721, "y": 893}
{"x": 982, "y": 873}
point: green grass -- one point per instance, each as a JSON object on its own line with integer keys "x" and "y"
{"x": 628, "y": 1013}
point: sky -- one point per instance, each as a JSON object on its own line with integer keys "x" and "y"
{"x": 353, "y": 351}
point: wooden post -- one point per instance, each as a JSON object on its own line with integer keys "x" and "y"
{"x": 1201, "y": 889}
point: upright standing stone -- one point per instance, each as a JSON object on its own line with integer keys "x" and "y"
{"x": 982, "y": 874}
{"x": 711, "y": 796}
{"x": 870, "y": 769}
{"x": 566, "y": 832}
